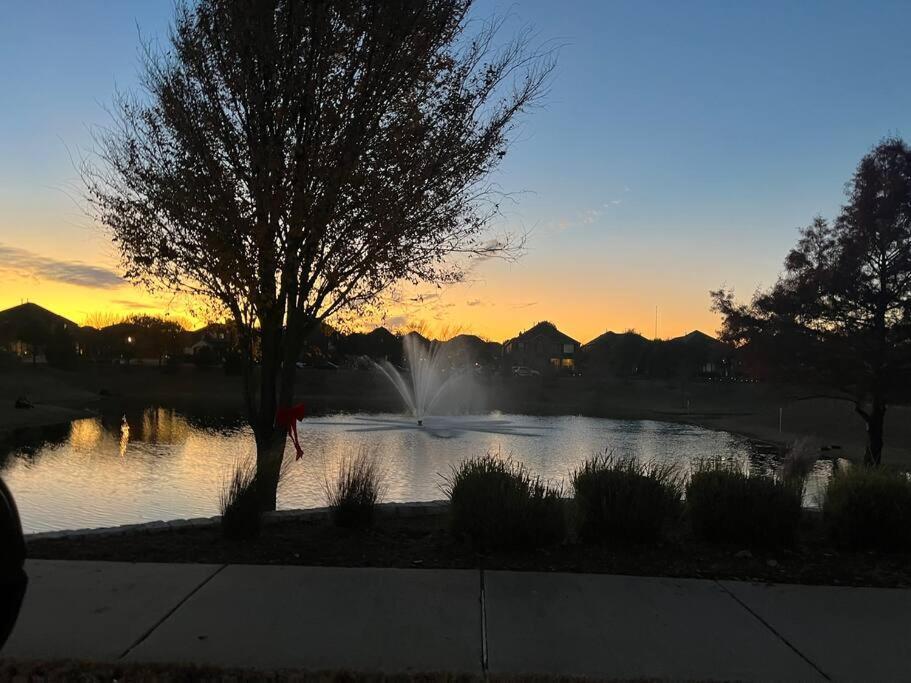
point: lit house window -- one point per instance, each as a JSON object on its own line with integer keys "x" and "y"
{"x": 568, "y": 349}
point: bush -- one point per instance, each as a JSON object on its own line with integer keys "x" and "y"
{"x": 60, "y": 351}
{"x": 355, "y": 491}
{"x": 8, "y": 359}
{"x": 240, "y": 510}
{"x": 869, "y": 508}
{"x": 728, "y": 505}
{"x": 497, "y": 504}
{"x": 205, "y": 357}
{"x": 233, "y": 363}
{"x": 624, "y": 500}
{"x": 171, "y": 365}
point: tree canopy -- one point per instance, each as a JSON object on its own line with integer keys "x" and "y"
{"x": 291, "y": 160}
{"x": 841, "y": 311}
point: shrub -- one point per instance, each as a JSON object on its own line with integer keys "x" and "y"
{"x": 355, "y": 491}
{"x": 869, "y": 508}
{"x": 234, "y": 363}
{"x": 498, "y": 504}
{"x": 800, "y": 460}
{"x": 8, "y": 359}
{"x": 728, "y": 505}
{"x": 61, "y": 351}
{"x": 624, "y": 500}
{"x": 240, "y": 510}
{"x": 205, "y": 357}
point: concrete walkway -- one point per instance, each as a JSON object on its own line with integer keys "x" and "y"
{"x": 400, "y": 620}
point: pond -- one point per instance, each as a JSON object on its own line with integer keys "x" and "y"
{"x": 160, "y": 464}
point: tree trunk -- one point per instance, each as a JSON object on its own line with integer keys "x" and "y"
{"x": 270, "y": 439}
{"x": 269, "y": 455}
{"x": 877, "y": 416}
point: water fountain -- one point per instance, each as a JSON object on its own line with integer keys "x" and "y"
{"x": 424, "y": 383}
{"x": 427, "y": 386}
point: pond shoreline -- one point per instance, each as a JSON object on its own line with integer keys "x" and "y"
{"x": 16, "y": 422}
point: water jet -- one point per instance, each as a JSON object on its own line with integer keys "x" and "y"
{"x": 422, "y": 382}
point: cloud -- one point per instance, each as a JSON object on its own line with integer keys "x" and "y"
{"x": 524, "y": 305}
{"x": 425, "y": 298}
{"x": 590, "y": 216}
{"x": 474, "y": 302}
{"x": 129, "y": 303}
{"x": 584, "y": 217}
{"x": 30, "y": 264}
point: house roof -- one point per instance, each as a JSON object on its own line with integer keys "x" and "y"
{"x": 701, "y": 339}
{"x": 609, "y": 339}
{"x": 543, "y": 329}
{"x": 29, "y": 313}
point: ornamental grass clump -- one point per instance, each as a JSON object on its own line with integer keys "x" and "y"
{"x": 355, "y": 490}
{"x": 729, "y": 505}
{"x": 623, "y": 500}
{"x": 241, "y": 516}
{"x": 497, "y": 504}
{"x": 869, "y": 508}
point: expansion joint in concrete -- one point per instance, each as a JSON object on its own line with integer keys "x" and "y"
{"x": 775, "y": 632}
{"x": 483, "y": 606}
{"x": 170, "y": 612}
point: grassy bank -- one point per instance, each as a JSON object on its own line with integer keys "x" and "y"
{"x": 101, "y": 672}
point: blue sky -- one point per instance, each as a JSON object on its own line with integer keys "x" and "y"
{"x": 680, "y": 147}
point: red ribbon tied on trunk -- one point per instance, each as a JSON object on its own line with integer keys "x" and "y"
{"x": 288, "y": 418}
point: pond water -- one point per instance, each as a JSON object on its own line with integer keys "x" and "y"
{"x": 160, "y": 464}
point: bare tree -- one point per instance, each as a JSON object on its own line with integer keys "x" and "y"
{"x": 291, "y": 160}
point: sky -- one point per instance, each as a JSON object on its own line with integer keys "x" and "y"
{"x": 680, "y": 148}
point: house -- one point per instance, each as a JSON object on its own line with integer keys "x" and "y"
{"x": 629, "y": 354}
{"x": 541, "y": 348}
{"x": 618, "y": 354}
{"x": 211, "y": 342}
{"x": 28, "y": 330}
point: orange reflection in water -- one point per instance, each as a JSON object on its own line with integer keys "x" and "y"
{"x": 124, "y": 436}
{"x": 163, "y": 426}
{"x": 86, "y": 434}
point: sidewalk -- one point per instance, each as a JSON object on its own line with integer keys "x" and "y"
{"x": 398, "y": 620}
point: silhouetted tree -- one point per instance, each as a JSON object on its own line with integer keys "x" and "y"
{"x": 155, "y": 337}
{"x": 293, "y": 159}
{"x": 60, "y": 351}
{"x": 36, "y": 335}
{"x": 841, "y": 312}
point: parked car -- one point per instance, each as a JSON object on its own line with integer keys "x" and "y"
{"x": 13, "y": 579}
{"x": 318, "y": 365}
{"x": 524, "y": 371}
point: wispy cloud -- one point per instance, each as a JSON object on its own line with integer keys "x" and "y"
{"x": 395, "y": 322}
{"x": 129, "y": 303}
{"x": 526, "y": 304}
{"x": 425, "y": 298}
{"x": 588, "y": 216}
{"x": 474, "y": 302}
{"x": 29, "y": 264}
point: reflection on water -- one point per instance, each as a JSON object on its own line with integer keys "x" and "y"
{"x": 124, "y": 436}
{"x": 162, "y": 464}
